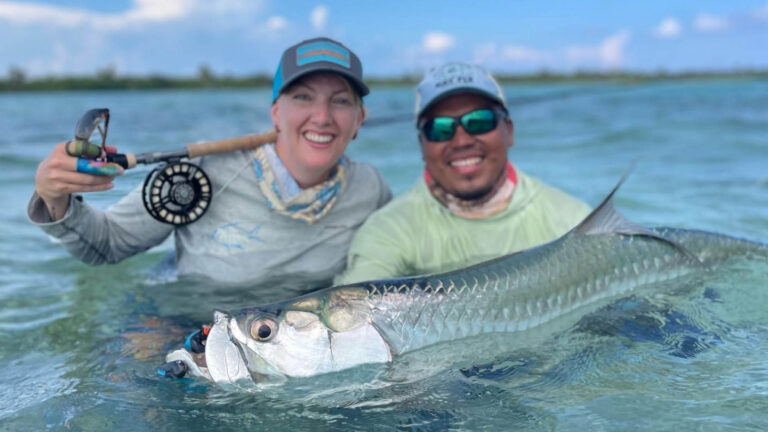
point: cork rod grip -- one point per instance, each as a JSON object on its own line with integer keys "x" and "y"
{"x": 130, "y": 159}
{"x": 231, "y": 144}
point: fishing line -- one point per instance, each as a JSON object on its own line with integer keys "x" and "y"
{"x": 228, "y": 182}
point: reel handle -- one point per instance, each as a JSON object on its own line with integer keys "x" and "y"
{"x": 231, "y": 144}
{"x": 82, "y": 148}
{"x": 93, "y": 120}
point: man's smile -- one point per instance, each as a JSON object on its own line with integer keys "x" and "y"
{"x": 466, "y": 162}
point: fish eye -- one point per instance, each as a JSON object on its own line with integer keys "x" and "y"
{"x": 263, "y": 329}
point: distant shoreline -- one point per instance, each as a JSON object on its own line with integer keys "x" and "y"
{"x": 108, "y": 80}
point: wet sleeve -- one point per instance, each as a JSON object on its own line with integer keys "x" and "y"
{"x": 98, "y": 237}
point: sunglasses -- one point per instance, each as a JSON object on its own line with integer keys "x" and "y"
{"x": 474, "y": 122}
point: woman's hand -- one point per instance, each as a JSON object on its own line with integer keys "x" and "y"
{"x": 59, "y": 175}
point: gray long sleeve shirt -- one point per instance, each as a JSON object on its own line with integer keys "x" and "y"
{"x": 239, "y": 240}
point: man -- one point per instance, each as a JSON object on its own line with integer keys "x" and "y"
{"x": 472, "y": 203}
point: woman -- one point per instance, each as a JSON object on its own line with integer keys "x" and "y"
{"x": 282, "y": 214}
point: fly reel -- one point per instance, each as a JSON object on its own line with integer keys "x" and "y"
{"x": 177, "y": 193}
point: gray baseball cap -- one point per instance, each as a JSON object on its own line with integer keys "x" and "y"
{"x": 318, "y": 55}
{"x": 453, "y": 78}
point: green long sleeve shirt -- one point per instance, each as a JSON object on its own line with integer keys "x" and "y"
{"x": 416, "y": 235}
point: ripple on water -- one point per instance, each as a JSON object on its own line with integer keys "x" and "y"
{"x": 20, "y": 289}
{"x": 34, "y": 315}
{"x": 22, "y": 389}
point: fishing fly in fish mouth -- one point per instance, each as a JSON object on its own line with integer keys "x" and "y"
{"x": 603, "y": 258}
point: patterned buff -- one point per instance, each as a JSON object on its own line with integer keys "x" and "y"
{"x": 309, "y": 204}
{"x": 492, "y": 203}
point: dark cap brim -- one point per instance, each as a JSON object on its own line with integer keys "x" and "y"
{"x": 361, "y": 88}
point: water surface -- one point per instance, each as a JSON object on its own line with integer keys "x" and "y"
{"x": 79, "y": 345}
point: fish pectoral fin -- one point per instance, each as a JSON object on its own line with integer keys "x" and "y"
{"x": 360, "y": 346}
{"x": 605, "y": 219}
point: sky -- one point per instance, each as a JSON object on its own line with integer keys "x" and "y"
{"x": 392, "y": 37}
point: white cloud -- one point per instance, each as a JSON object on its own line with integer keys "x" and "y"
{"x": 710, "y": 23}
{"x": 518, "y": 57}
{"x": 609, "y": 53}
{"x": 69, "y": 40}
{"x": 140, "y": 13}
{"x": 65, "y": 57}
{"x": 485, "y": 53}
{"x": 523, "y": 54}
{"x": 276, "y": 23}
{"x": 319, "y": 17}
{"x": 437, "y": 42}
{"x": 761, "y": 13}
{"x": 580, "y": 52}
{"x": 612, "y": 49}
{"x": 58, "y": 63}
{"x": 20, "y": 13}
{"x": 430, "y": 53}
{"x": 151, "y": 10}
{"x": 668, "y": 28}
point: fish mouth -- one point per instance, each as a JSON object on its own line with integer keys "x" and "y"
{"x": 224, "y": 357}
{"x": 227, "y": 357}
{"x": 222, "y": 361}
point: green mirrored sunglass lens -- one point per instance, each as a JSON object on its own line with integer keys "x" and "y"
{"x": 440, "y": 129}
{"x": 479, "y": 121}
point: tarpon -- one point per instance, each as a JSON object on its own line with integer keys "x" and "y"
{"x": 604, "y": 257}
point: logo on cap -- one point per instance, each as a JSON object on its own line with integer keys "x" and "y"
{"x": 453, "y": 74}
{"x": 322, "y": 51}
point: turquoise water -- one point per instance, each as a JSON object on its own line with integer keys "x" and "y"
{"x": 79, "y": 345}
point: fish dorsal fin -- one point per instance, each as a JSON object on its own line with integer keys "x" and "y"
{"x": 605, "y": 219}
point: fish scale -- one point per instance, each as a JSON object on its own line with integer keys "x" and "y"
{"x": 524, "y": 290}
